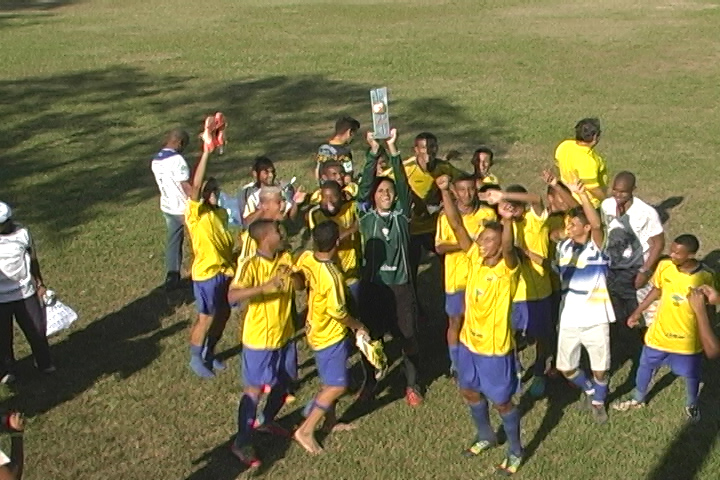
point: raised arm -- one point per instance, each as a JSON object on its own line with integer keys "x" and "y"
{"x": 369, "y": 169}
{"x": 199, "y": 176}
{"x": 535, "y": 201}
{"x": 563, "y": 193}
{"x": 509, "y": 252}
{"x": 597, "y": 233}
{"x": 464, "y": 240}
{"x": 402, "y": 186}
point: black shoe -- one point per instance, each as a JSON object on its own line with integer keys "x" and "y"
{"x": 172, "y": 281}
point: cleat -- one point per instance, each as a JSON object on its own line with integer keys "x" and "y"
{"x": 478, "y": 447}
{"x": 510, "y": 465}
{"x": 693, "y": 413}
{"x": 413, "y": 397}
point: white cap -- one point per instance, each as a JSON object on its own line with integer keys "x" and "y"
{"x": 5, "y": 212}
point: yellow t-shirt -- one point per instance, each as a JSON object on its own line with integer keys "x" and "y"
{"x": 268, "y": 321}
{"x": 422, "y": 184}
{"x": 675, "y": 327}
{"x": 581, "y": 162}
{"x": 351, "y": 191}
{"x": 457, "y": 264}
{"x": 533, "y": 233}
{"x": 326, "y": 301}
{"x": 350, "y": 247}
{"x": 490, "y": 179}
{"x": 487, "y": 329}
{"x": 212, "y": 243}
{"x": 557, "y": 222}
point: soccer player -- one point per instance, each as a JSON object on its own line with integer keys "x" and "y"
{"x": 457, "y": 264}
{"x": 326, "y": 329}
{"x": 482, "y": 162}
{"x": 212, "y": 268}
{"x": 263, "y": 172}
{"x": 487, "y": 367}
{"x": 335, "y": 207}
{"x": 578, "y": 160}
{"x": 333, "y": 171}
{"x": 673, "y": 338}
{"x": 532, "y": 304}
{"x": 634, "y": 244}
{"x": 269, "y": 357}
{"x": 387, "y": 295}
{"x": 271, "y": 206}
{"x": 172, "y": 176}
{"x": 338, "y": 147}
{"x": 586, "y": 311}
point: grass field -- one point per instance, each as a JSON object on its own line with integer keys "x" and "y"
{"x": 88, "y": 87}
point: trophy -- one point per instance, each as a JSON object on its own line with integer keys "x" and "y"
{"x": 380, "y": 115}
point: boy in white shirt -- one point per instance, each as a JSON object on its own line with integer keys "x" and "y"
{"x": 585, "y": 309}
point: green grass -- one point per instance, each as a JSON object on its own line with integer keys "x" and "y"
{"x": 87, "y": 88}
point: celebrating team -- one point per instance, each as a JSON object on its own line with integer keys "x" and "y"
{"x": 556, "y": 272}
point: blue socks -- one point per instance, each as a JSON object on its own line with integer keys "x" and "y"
{"x": 511, "y": 422}
{"x": 246, "y": 419}
{"x": 453, "y": 353}
{"x": 481, "y": 416}
{"x": 582, "y": 382}
{"x": 601, "y": 391}
{"x": 692, "y": 390}
{"x": 197, "y": 363}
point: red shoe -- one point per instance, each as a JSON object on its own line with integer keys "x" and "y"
{"x": 220, "y": 125}
{"x": 246, "y": 455}
{"x": 413, "y": 397}
{"x": 208, "y": 134}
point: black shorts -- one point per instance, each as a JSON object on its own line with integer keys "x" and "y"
{"x": 388, "y": 308}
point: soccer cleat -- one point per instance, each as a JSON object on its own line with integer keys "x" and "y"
{"x": 626, "y": 405}
{"x": 693, "y": 413}
{"x": 208, "y": 134}
{"x": 510, "y": 465}
{"x": 537, "y": 387}
{"x": 585, "y": 402}
{"x": 246, "y": 455}
{"x": 478, "y": 447}
{"x": 413, "y": 397}
{"x": 220, "y": 125}
{"x": 599, "y": 413}
{"x": 374, "y": 353}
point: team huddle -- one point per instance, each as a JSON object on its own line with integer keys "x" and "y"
{"x": 578, "y": 267}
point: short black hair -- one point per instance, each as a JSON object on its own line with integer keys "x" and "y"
{"x": 177, "y": 135}
{"x": 429, "y": 138}
{"x": 211, "y": 186}
{"x": 325, "y": 166}
{"x": 690, "y": 242}
{"x": 346, "y": 123}
{"x": 480, "y": 150}
{"x": 465, "y": 178}
{"x": 587, "y": 129}
{"x": 260, "y": 228}
{"x": 625, "y": 176}
{"x": 493, "y": 225}
{"x": 579, "y": 213}
{"x": 331, "y": 185}
{"x": 325, "y": 236}
{"x": 262, "y": 163}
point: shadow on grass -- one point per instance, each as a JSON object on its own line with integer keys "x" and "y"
{"x": 663, "y": 208}
{"x": 119, "y": 344}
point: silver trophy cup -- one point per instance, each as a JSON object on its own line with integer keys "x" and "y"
{"x": 380, "y": 114}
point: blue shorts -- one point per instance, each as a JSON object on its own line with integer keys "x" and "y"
{"x": 455, "y": 303}
{"x": 493, "y": 376}
{"x": 269, "y": 367}
{"x": 211, "y": 294}
{"x": 682, "y": 365}
{"x": 533, "y": 318}
{"x": 332, "y": 364}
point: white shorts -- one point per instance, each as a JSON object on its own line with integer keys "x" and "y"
{"x": 595, "y": 339}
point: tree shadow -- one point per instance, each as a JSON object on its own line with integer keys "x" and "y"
{"x": 119, "y": 344}
{"x": 42, "y": 5}
{"x": 663, "y": 208}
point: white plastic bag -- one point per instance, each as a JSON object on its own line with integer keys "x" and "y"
{"x": 59, "y": 317}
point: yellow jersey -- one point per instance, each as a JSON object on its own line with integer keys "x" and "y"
{"x": 457, "y": 264}
{"x": 212, "y": 242}
{"x": 350, "y": 190}
{"x": 580, "y": 162}
{"x": 326, "y": 301}
{"x": 675, "y": 329}
{"x": 490, "y": 179}
{"x": 350, "y": 247}
{"x": 268, "y": 321}
{"x": 487, "y": 329}
{"x": 557, "y": 222}
{"x": 422, "y": 184}
{"x": 532, "y": 233}
{"x": 248, "y": 246}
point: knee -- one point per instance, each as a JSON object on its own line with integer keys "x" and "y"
{"x": 471, "y": 396}
{"x": 600, "y": 376}
{"x": 503, "y": 408}
{"x": 454, "y": 323}
{"x": 569, "y": 373}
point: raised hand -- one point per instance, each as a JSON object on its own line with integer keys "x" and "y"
{"x": 393, "y": 137}
{"x": 443, "y": 182}
{"x": 493, "y": 197}
{"x": 506, "y": 210}
{"x": 300, "y": 195}
{"x": 577, "y": 187}
{"x": 549, "y": 178}
{"x": 370, "y": 139}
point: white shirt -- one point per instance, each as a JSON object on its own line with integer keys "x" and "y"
{"x": 628, "y": 235}
{"x": 170, "y": 170}
{"x": 16, "y": 282}
{"x": 585, "y": 298}
{"x": 4, "y": 459}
